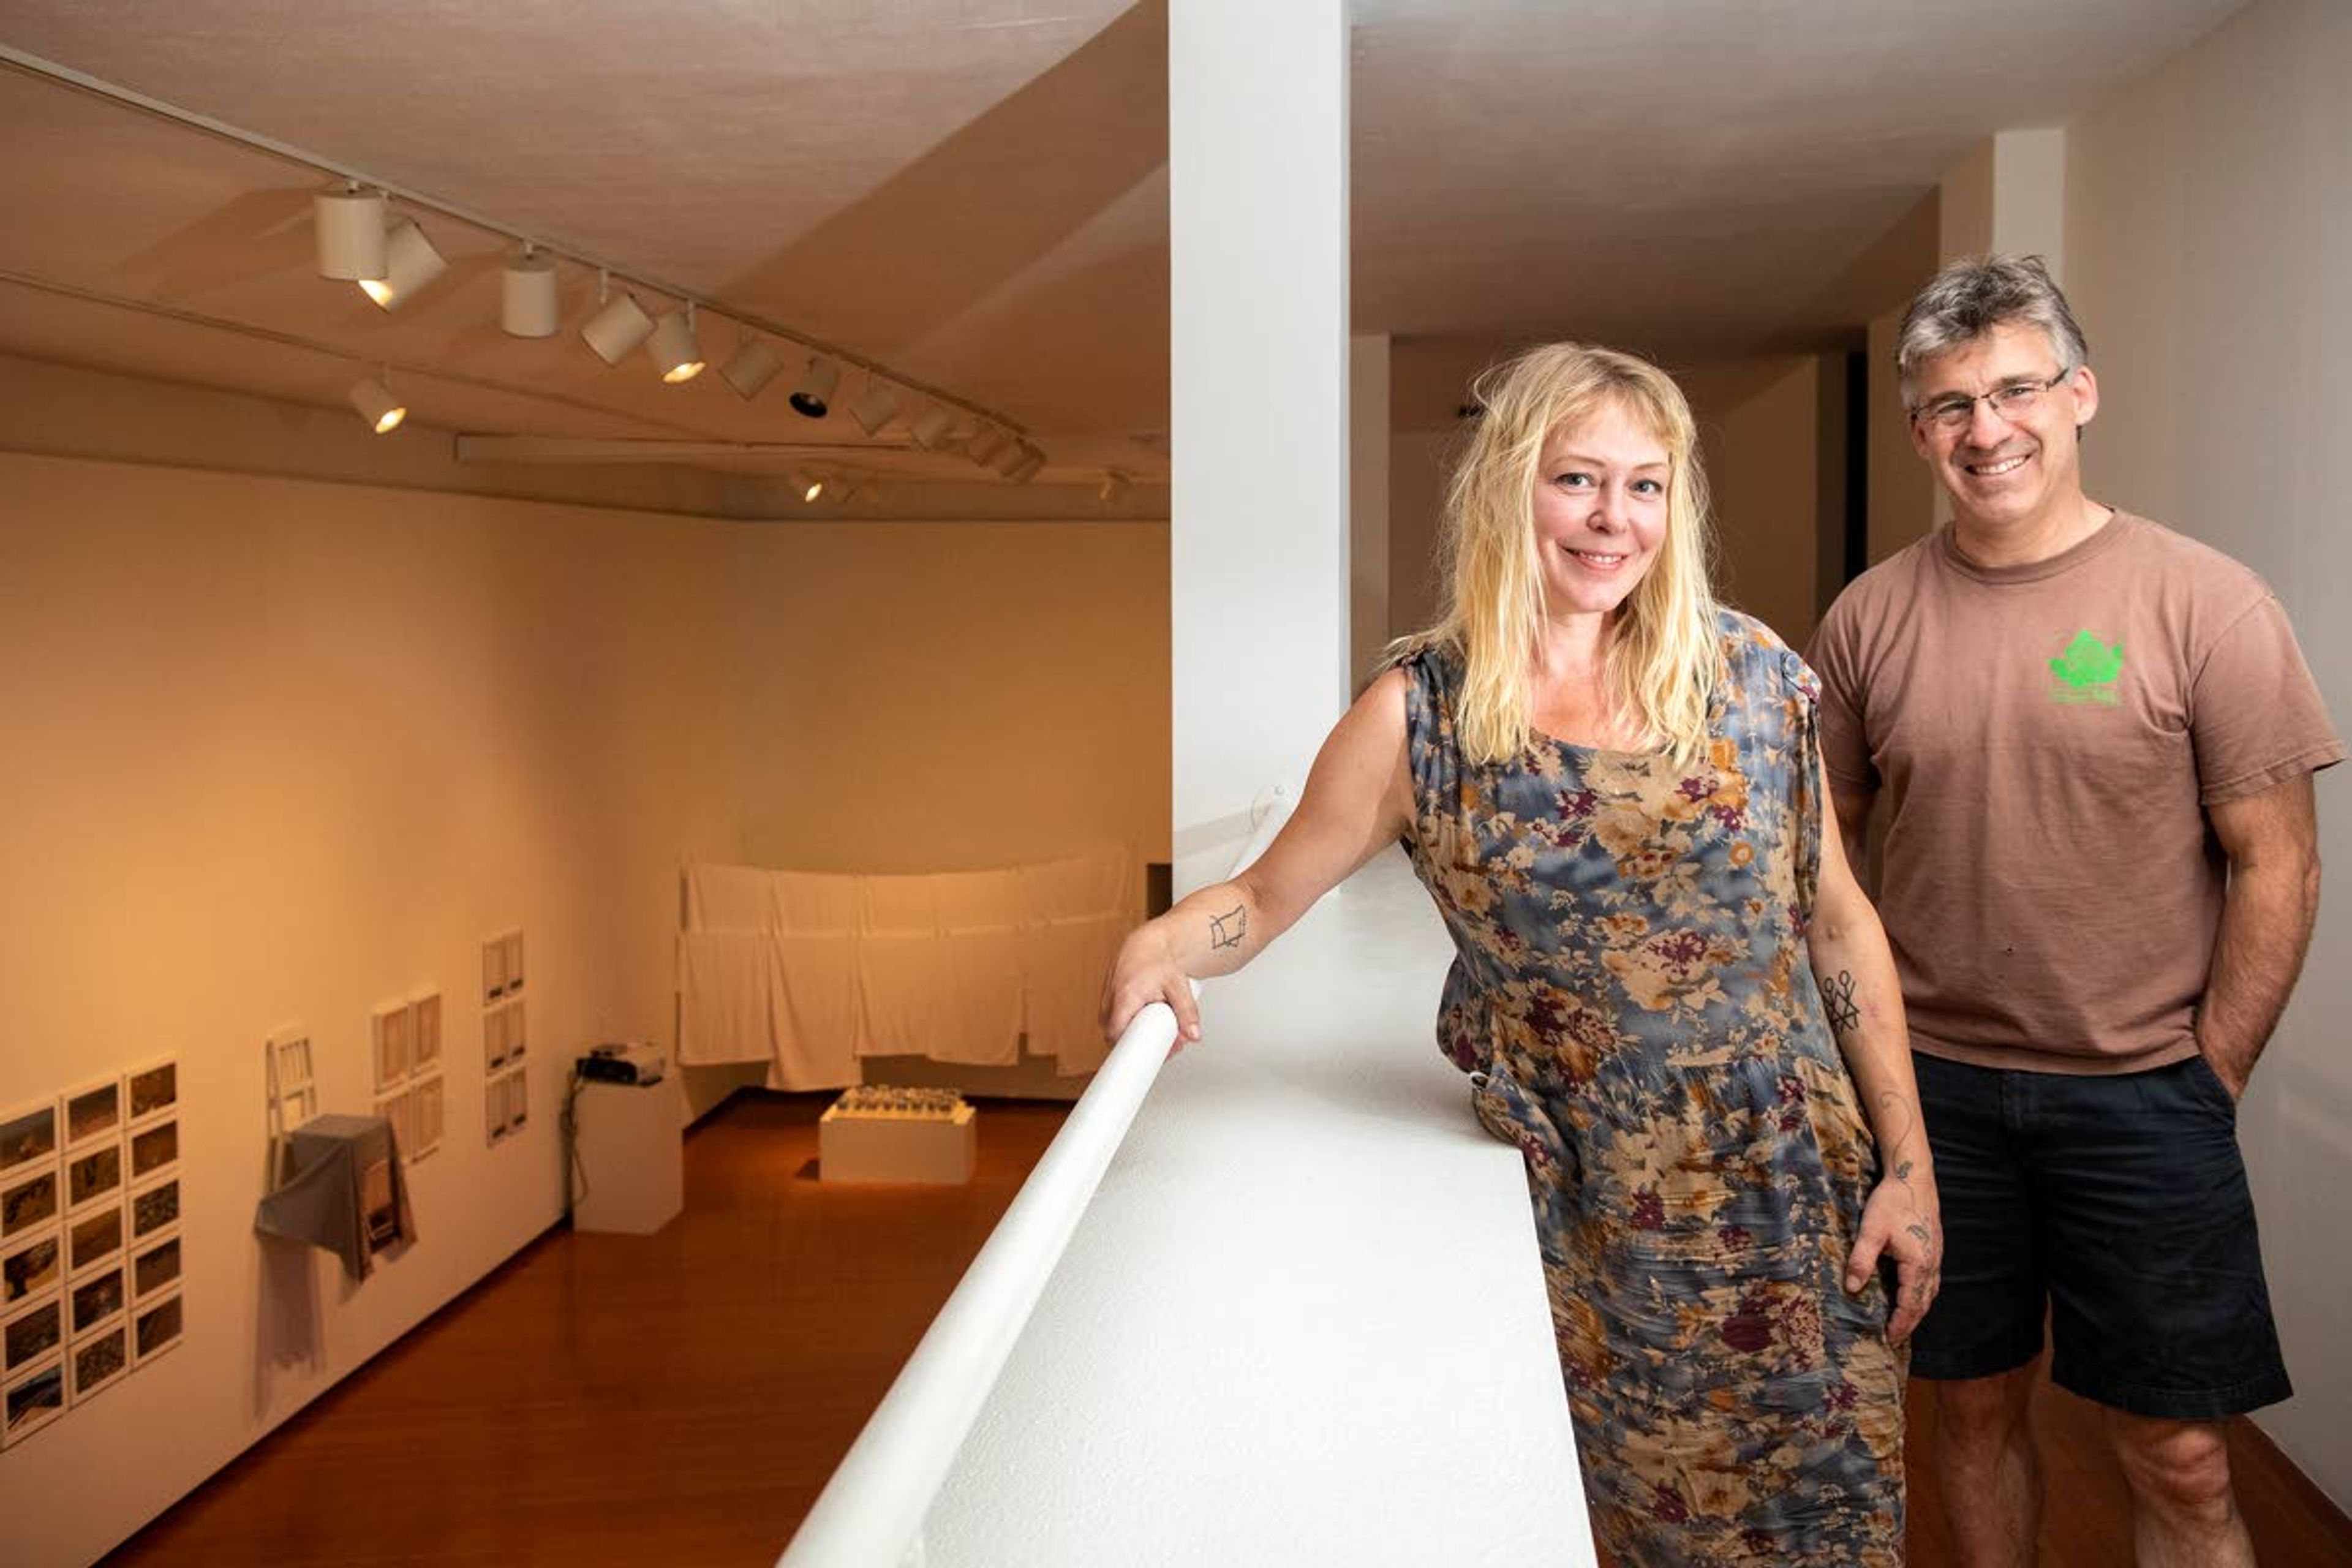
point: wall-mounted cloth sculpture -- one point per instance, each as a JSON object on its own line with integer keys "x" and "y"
{"x": 346, "y": 1194}
{"x": 811, "y": 972}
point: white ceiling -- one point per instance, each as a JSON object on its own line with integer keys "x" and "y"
{"x": 972, "y": 192}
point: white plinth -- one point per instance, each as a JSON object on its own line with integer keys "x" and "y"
{"x": 630, "y": 1144}
{"x": 861, "y": 1146}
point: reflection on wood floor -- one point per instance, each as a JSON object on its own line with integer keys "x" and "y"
{"x": 680, "y": 1398}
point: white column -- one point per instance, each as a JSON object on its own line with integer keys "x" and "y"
{"x": 1368, "y": 504}
{"x": 1257, "y": 166}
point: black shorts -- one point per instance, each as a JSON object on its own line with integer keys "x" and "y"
{"x": 2121, "y": 1202}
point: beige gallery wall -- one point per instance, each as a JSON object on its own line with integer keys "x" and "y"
{"x": 2208, "y": 215}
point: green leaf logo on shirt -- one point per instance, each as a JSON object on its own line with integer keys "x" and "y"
{"x": 2086, "y": 672}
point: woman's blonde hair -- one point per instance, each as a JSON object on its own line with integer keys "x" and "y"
{"x": 1662, "y": 653}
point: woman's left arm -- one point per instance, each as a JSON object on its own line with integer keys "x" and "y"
{"x": 1863, "y": 1001}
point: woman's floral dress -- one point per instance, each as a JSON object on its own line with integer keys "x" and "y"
{"x": 1631, "y": 996}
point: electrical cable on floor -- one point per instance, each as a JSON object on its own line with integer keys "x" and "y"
{"x": 567, "y": 1123}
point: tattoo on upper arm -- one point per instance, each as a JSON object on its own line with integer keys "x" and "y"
{"x": 1837, "y": 1002}
{"x": 1228, "y": 928}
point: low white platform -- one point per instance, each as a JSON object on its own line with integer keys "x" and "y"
{"x": 856, "y": 1147}
{"x": 1303, "y": 1322}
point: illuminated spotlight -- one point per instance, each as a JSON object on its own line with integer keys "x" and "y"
{"x": 807, "y": 486}
{"x": 674, "y": 353}
{"x": 410, "y": 262}
{"x": 811, "y": 398}
{"x": 930, "y": 427}
{"x": 377, "y": 405}
{"x": 527, "y": 302}
{"x": 618, "y": 327}
{"x": 985, "y": 444}
{"x": 874, "y": 407}
{"x": 1114, "y": 486}
{"x": 751, "y": 366}
{"x": 349, "y": 226}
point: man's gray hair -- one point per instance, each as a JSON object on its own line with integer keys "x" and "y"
{"x": 1972, "y": 295}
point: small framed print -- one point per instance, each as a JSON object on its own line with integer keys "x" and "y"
{"x": 28, "y": 1138}
{"x": 97, "y": 1362}
{"x": 518, "y": 1100}
{"x": 27, "y": 1204}
{"x": 31, "y": 1335}
{"x": 153, "y": 1091}
{"x": 31, "y": 1403}
{"x": 515, "y": 1031}
{"x": 155, "y": 1328}
{"x": 93, "y": 1240}
{"x": 154, "y": 1206}
{"x": 154, "y": 1148}
{"x": 494, "y": 1111}
{"x": 31, "y": 1269}
{"x": 95, "y": 1299}
{"x": 428, "y": 1114}
{"x": 94, "y": 1112}
{"x": 512, "y": 944}
{"x": 494, "y": 970}
{"x": 389, "y": 1033}
{"x": 94, "y": 1176}
{"x": 156, "y": 1267}
{"x": 425, "y": 1031}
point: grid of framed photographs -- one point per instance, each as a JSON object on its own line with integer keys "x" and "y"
{"x": 89, "y": 1242}
{"x": 506, "y": 1091}
{"x": 409, "y": 1092}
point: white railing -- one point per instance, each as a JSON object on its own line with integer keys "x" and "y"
{"x": 870, "y": 1514}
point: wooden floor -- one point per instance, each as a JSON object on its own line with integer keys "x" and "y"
{"x": 679, "y": 1399}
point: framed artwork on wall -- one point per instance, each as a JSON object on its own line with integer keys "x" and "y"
{"x": 155, "y": 1268}
{"x": 154, "y": 1329}
{"x": 93, "y": 1112}
{"x": 31, "y": 1403}
{"x": 32, "y": 1335}
{"x": 99, "y": 1361}
{"x": 153, "y": 1091}
{"x": 154, "y": 1206}
{"x": 389, "y": 1031}
{"x": 427, "y": 1113}
{"x": 425, "y": 1031}
{"x": 27, "y": 1204}
{"x": 92, "y": 1241}
{"x": 93, "y": 1177}
{"x": 28, "y": 1138}
{"x": 93, "y": 1300}
{"x": 154, "y": 1149}
{"x": 31, "y": 1268}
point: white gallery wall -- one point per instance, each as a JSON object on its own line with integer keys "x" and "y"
{"x": 2209, "y": 212}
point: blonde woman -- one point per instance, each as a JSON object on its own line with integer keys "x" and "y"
{"x": 1668, "y": 990}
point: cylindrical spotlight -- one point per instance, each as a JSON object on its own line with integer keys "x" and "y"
{"x": 811, "y": 398}
{"x": 377, "y": 405}
{"x": 410, "y": 262}
{"x": 751, "y": 366}
{"x": 874, "y": 407}
{"x": 930, "y": 427}
{"x": 674, "y": 353}
{"x": 616, "y": 329}
{"x": 808, "y": 487}
{"x": 527, "y": 304}
{"x": 985, "y": 443}
{"x": 1014, "y": 454}
{"x": 349, "y": 225}
{"x": 1032, "y": 460}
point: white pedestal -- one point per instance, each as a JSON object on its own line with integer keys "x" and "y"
{"x": 864, "y": 1146}
{"x": 629, "y": 1139}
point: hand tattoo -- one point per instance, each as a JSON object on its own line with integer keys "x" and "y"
{"x": 1837, "y": 1000}
{"x": 1228, "y": 928}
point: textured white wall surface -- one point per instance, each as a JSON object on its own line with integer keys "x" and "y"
{"x": 1302, "y": 1321}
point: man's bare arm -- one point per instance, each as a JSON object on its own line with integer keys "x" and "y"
{"x": 2267, "y": 910}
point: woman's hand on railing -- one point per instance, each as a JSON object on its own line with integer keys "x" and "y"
{"x": 1145, "y": 972}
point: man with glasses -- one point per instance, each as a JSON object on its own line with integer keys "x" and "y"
{"x": 2096, "y": 738}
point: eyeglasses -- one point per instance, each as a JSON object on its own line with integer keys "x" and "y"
{"x": 2011, "y": 400}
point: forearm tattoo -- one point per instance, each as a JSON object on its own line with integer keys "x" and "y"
{"x": 1228, "y": 928}
{"x": 1838, "y": 1002}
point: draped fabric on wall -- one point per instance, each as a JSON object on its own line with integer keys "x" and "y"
{"x": 809, "y": 972}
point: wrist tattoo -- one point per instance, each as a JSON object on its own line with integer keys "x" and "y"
{"x": 1228, "y": 928}
{"x": 1837, "y": 1000}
